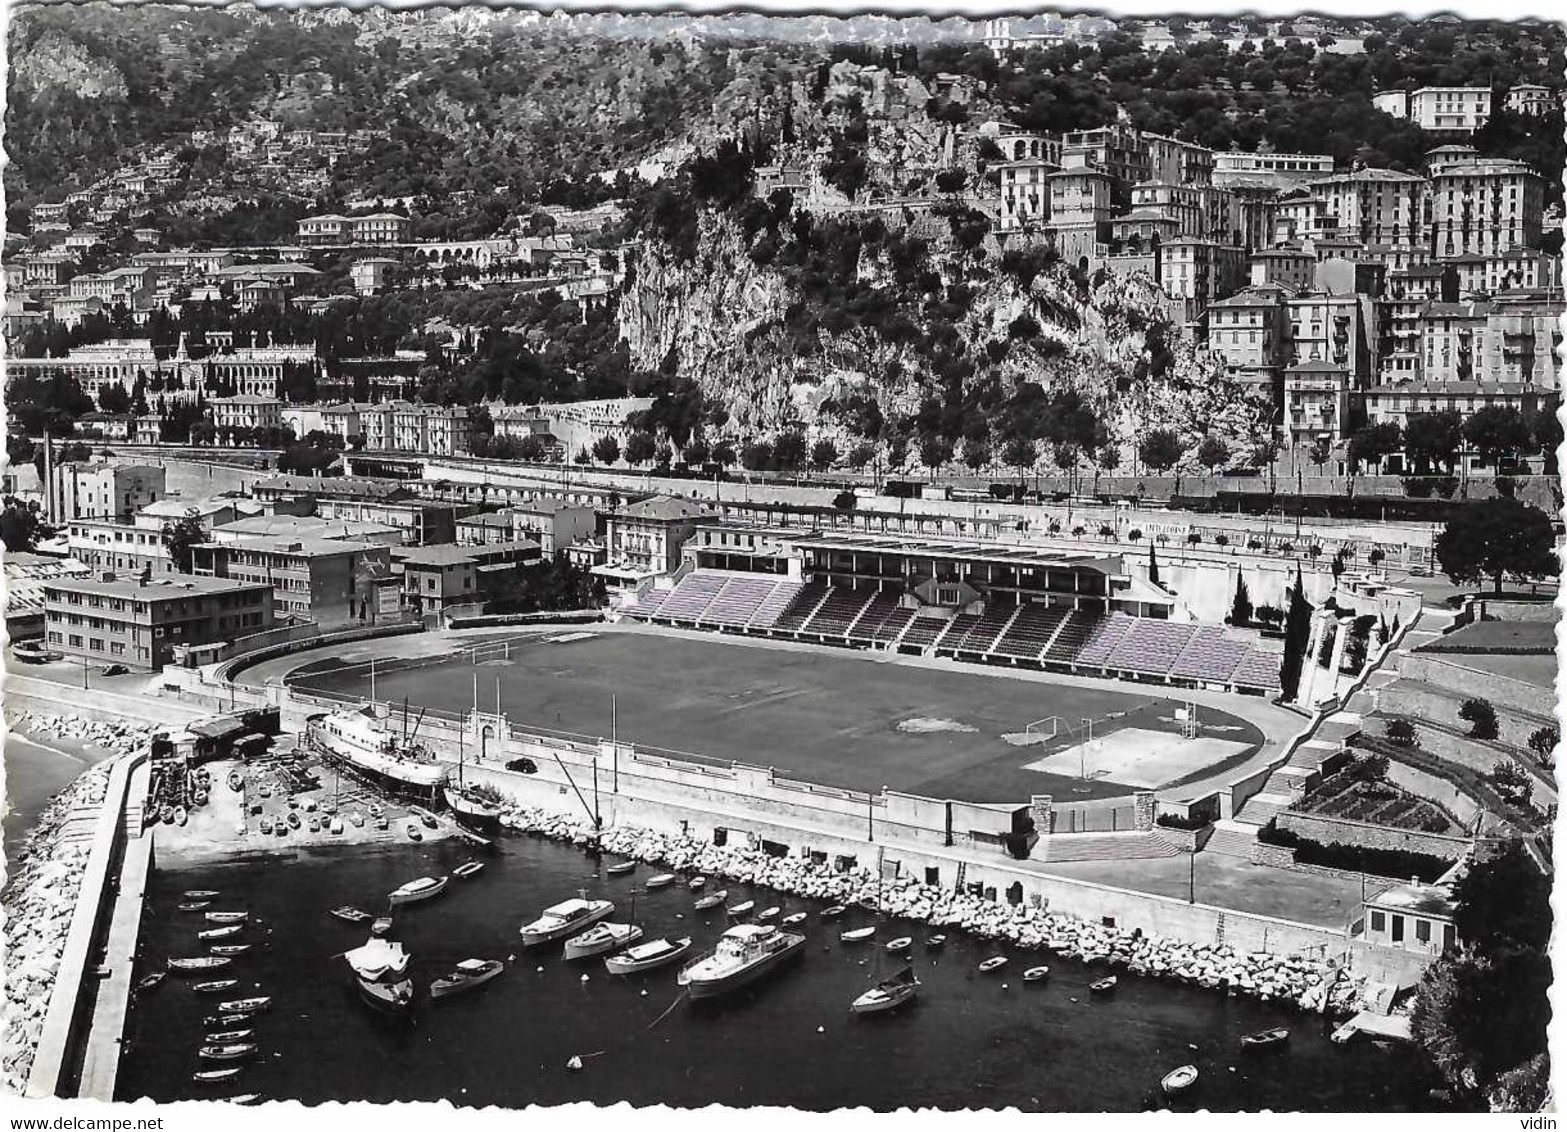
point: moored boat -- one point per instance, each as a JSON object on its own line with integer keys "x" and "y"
{"x": 226, "y": 1020}
{"x": 564, "y": 919}
{"x": 426, "y": 818}
{"x": 253, "y": 1005}
{"x": 601, "y": 938}
{"x": 712, "y": 900}
{"x": 380, "y": 925}
{"x": 857, "y": 935}
{"x": 1178, "y": 1080}
{"x": 469, "y": 974}
{"x": 226, "y": 917}
{"x": 646, "y": 956}
{"x": 936, "y": 942}
{"x": 1103, "y": 986}
{"x": 229, "y": 948}
{"x": 834, "y": 912}
{"x": 793, "y": 918}
{"x": 994, "y": 963}
{"x": 390, "y": 997}
{"x": 201, "y": 894}
{"x": 1265, "y": 1040}
{"x": 767, "y": 914}
{"x": 211, "y": 1076}
{"x": 229, "y": 1051}
{"x": 744, "y": 953}
{"x": 266, "y": 827}
{"x": 151, "y": 982}
{"x": 468, "y": 869}
{"x": 198, "y": 964}
{"x": 193, "y": 906}
{"x": 413, "y": 833}
{"x": 663, "y": 880}
{"x": 902, "y": 943}
{"x": 350, "y": 914}
{"x": 887, "y": 995}
{"x": 695, "y": 884}
{"x": 224, "y": 932}
{"x": 416, "y": 890}
{"x": 214, "y": 986}
{"x": 224, "y": 1037}
{"x": 1036, "y": 974}
{"x": 742, "y": 908}
{"x": 293, "y": 819}
{"x": 377, "y": 959}
{"x": 620, "y": 868}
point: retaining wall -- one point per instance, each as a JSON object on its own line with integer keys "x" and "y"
{"x": 1434, "y": 788}
{"x": 1466, "y": 683}
{"x": 1420, "y": 702}
{"x": 1342, "y": 831}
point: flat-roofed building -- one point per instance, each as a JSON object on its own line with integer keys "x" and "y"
{"x": 324, "y": 580}
{"x": 436, "y": 578}
{"x": 553, "y": 523}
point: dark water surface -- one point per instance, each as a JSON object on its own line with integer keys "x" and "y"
{"x": 970, "y": 1040}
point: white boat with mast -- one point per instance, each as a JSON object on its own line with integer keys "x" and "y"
{"x": 360, "y": 740}
{"x": 477, "y": 804}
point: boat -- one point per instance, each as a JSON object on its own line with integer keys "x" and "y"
{"x": 152, "y": 981}
{"x": 215, "y": 986}
{"x": 209, "y": 1076}
{"x": 767, "y": 914}
{"x": 1178, "y": 1080}
{"x": 744, "y": 953}
{"x": 857, "y": 935}
{"x": 413, "y": 832}
{"x": 223, "y": 1037}
{"x": 902, "y": 943}
{"x": 1036, "y": 974}
{"x": 382, "y": 823}
{"x": 199, "y": 963}
{"x": 314, "y": 825}
{"x": 696, "y": 884}
{"x": 221, "y": 933}
{"x": 935, "y": 942}
{"x": 467, "y": 975}
{"x": 646, "y": 956}
{"x": 181, "y": 815}
{"x": 376, "y": 810}
{"x": 281, "y": 829}
{"x": 350, "y": 914}
{"x": 793, "y": 918}
{"x": 426, "y": 818}
{"x": 379, "y": 750}
{"x": 742, "y": 908}
{"x": 601, "y": 938}
{"x": 336, "y": 826}
{"x": 227, "y": 917}
{"x": 243, "y": 1098}
{"x": 394, "y": 997}
{"x": 253, "y": 1005}
{"x": 380, "y": 925}
{"x": 1264, "y": 1040}
{"x": 834, "y": 912}
{"x": 662, "y": 880}
{"x": 479, "y": 805}
{"x": 193, "y": 906}
{"x": 416, "y": 890}
{"x": 228, "y": 1051}
{"x": 293, "y": 819}
{"x": 994, "y": 963}
{"x": 1103, "y": 986}
{"x": 564, "y": 919}
{"x": 887, "y": 995}
{"x": 357, "y": 819}
{"x": 167, "y": 815}
{"x": 712, "y": 900}
{"x": 1344, "y": 1033}
{"x": 229, "y": 948}
{"x": 378, "y": 959}
{"x": 236, "y": 781}
{"x": 226, "y": 1020}
{"x": 468, "y": 869}
{"x": 201, "y": 894}
{"x": 266, "y": 827}
{"x": 620, "y": 868}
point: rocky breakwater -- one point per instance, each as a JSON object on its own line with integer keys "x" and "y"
{"x": 1309, "y": 983}
{"x": 39, "y": 901}
{"x": 120, "y": 737}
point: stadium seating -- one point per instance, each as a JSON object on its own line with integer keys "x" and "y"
{"x": 1095, "y": 650}
{"x": 1151, "y": 647}
{"x": 737, "y": 602}
{"x": 1026, "y": 638}
{"x": 689, "y": 600}
{"x": 888, "y": 630}
{"x": 801, "y": 607}
{"x": 881, "y": 606}
{"x": 922, "y": 632}
{"x": 1211, "y": 656}
{"x": 647, "y": 605}
{"x": 1074, "y": 634}
{"x": 956, "y": 632}
{"x": 773, "y": 605}
{"x": 1258, "y": 669}
{"x": 981, "y": 638}
{"x": 838, "y": 612}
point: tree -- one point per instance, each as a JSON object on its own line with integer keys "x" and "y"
{"x": 789, "y": 451}
{"x": 1375, "y": 443}
{"x": 844, "y": 501}
{"x": 113, "y": 399}
{"x": 1480, "y": 716}
{"x": 1512, "y": 782}
{"x": 935, "y": 453}
{"x": 723, "y": 454}
{"x": 1212, "y": 453}
{"x": 1504, "y": 899}
{"x": 1543, "y": 740}
{"x": 1019, "y": 452}
{"x": 1497, "y": 433}
{"x": 1153, "y": 566}
{"x": 1240, "y": 609}
{"x": 1432, "y": 440}
{"x": 976, "y": 453}
{"x": 640, "y": 447}
{"x": 1297, "y": 632}
{"x": 1160, "y": 450}
{"x": 1493, "y": 537}
{"x": 20, "y": 526}
{"x": 606, "y": 450}
{"x": 696, "y": 453}
{"x": 1321, "y": 449}
{"x": 824, "y": 454}
{"x": 532, "y": 448}
{"x": 180, "y": 535}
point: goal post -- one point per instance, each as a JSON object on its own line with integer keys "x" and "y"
{"x": 1047, "y": 728}
{"x": 1186, "y": 719}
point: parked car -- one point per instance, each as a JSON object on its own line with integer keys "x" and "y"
{"x": 33, "y": 652}
{"x": 114, "y": 670}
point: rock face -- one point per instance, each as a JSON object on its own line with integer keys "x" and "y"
{"x": 1310, "y": 983}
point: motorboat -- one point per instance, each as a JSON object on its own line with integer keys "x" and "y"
{"x": 350, "y": 914}
{"x": 413, "y": 832}
{"x": 228, "y": 1020}
{"x": 767, "y": 914}
{"x": 377, "y": 959}
{"x": 742, "y": 908}
{"x": 380, "y": 925}
{"x": 243, "y": 1098}
{"x": 834, "y": 912}
{"x": 564, "y": 919}
{"x": 212, "y": 1076}
{"x": 193, "y": 906}
{"x": 902, "y": 943}
{"x": 994, "y": 963}
{"x": 1103, "y": 986}
{"x": 744, "y": 953}
{"x": 1264, "y": 1040}
{"x": 253, "y": 1005}
{"x": 601, "y": 938}
{"x": 696, "y": 884}
{"x": 621, "y": 868}
{"x": 468, "y": 869}
{"x": 215, "y": 986}
{"x": 227, "y": 917}
{"x": 201, "y": 894}
{"x": 392, "y": 997}
{"x": 229, "y": 948}
{"x": 712, "y": 900}
{"x": 228, "y": 1051}
{"x": 646, "y": 956}
{"x": 793, "y": 918}
{"x": 221, "y": 933}
{"x": 1036, "y": 974}
{"x": 371, "y": 746}
{"x": 1344, "y": 1033}
{"x": 888, "y": 994}
{"x": 416, "y": 890}
{"x": 469, "y": 974}
{"x": 224, "y": 1037}
{"x": 1178, "y": 1080}
{"x": 198, "y": 964}
{"x": 857, "y": 935}
{"x": 936, "y": 942}
{"x": 152, "y": 981}
{"x": 662, "y": 880}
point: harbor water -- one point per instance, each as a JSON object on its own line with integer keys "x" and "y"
{"x": 970, "y": 1039}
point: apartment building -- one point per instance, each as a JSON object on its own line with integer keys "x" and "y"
{"x": 1249, "y": 332}
{"x": 325, "y": 580}
{"x": 418, "y": 522}
{"x": 553, "y": 523}
{"x": 137, "y": 546}
{"x": 375, "y": 228}
{"x": 1531, "y": 99}
{"x": 1195, "y": 273}
{"x": 436, "y": 578}
{"x": 1484, "y": 205}
{"x": 1025, "y": 194}
{"x": 1375, "y": 206}
{"x": 245, "y": 411}
{"x": 644, "y": 540}
{"x": 1439, "y": 109}
{"x": 1277, "y": 168}
{"x": 106, "y": 491}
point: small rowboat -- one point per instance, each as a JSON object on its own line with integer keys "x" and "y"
{"x": 663, "y": 880}
{"x": 767, "y": 914}
{"x": 712, "y": 900}
{"x": 936, "y": 942}
{"x": 415, "y": 890}
{"x": 207, "y": 1076}
{"x": 227, "y": 917}
{"x": 243, "y": 1098}
{"x": 246, "y": 1005}
{"x": 193, "y": 906}
{"x": 223, "y": 1037}
{"x": 199, "y": 963}
{"x": 834, "y": 912}
{"x": 742, "y": 908}
{"x": 231, "y": 1051}
{"x": 220, "y": 933}
{"x": 1103, "y": 986}
{"x": 225, "y": 1020}
{"x": 215, "y": 986}
{"x": 1264, "y": 1040}
{"x": 150, "y": 982}
{"x": 857, "y": 935}
{"x": 1036, "y": 974}
{"x": 376, "y": 810}
{"x": 293, "y": 819}
{"x": 695, "y": 884}
{"x": 413, "y": 832}
{"x": 181, "y": 815}
{"x": 381, "y": 925}
{"x": 902, "y": 943}
{"x": 1179, "y": 1080}
{"x": 620, "y": 868}
{"x": 793, "y": 918}
{"x": 201, "y": 893}
{"x": 470, "y": 868}
{"x": 994, "y": 963}
{"x": 236, "y": 781}
{"x": 350, "y": 914}
{"x": 229, "y": 948}
{"x": 266, "y": 827}
{"x": 424, "y": 816}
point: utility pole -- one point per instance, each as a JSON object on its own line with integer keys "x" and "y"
{"x": 614, "y": 741}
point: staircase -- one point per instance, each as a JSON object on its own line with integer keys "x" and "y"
{"x": 1060, "y": 848}
{"x": 1232, "y": 839}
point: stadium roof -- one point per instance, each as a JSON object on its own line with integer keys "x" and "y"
{"x": 1013, "y": 554}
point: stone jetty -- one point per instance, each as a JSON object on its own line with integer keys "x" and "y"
{"x": 121, "y": 736}
{"x": 1312, "y": 984}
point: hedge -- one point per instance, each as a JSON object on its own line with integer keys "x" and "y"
{"x": 1399, "y": 864}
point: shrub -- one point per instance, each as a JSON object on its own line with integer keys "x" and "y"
{"x": 1253, "y": 544}
{"x": 1480, "y": 716}
{"x": 1375, "y": 557}
{"x": 1542, "y": 741}
{"x": 1106, "y": 531}
{"x": 1221, "y": 540}
{"x": 1268, "y": 615}
{"x": 1511, "y": 782}
{"x": 1286, "y": 548}
{"x": 1400, "y": 732}
{"x": 1399, "y": 863}
{"x": 1134, "y": 534}
{"x": 1175, "y": 821}
{"x": 1193, "y": 539}
{"x": 1079, "y": 531}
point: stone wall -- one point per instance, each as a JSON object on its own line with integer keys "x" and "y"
{"x": 1422, "y": 701}
{"x": 1448, "y": 672}
{"x": 1436, "y": 789}
{"x": 1341, "y": 831}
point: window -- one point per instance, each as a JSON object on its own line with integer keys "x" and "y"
{"x": 1378, "y": 921}
{"x": 1398, "y": 929}
{"x": 1423, "y": 931}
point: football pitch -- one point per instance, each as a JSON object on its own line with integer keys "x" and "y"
{"x": 827, "y": 716}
